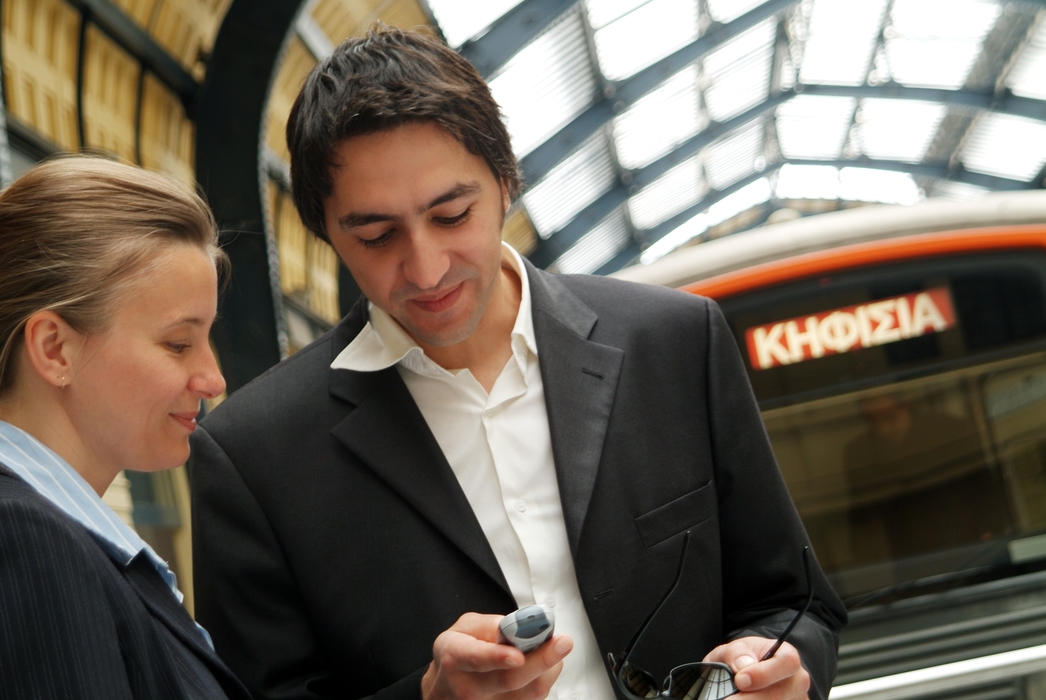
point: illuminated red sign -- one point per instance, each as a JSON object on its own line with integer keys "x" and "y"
{"x": 854, "y": 327}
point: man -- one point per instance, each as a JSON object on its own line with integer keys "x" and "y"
{"x": 477, "y": 435}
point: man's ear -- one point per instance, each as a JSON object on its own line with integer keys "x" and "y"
{"x": 50, "y": 347}
{"x": 506, "y": 202}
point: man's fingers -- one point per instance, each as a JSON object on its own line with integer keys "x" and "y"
{"x": 750, "y": 675}
{"x": 457, "y": 651}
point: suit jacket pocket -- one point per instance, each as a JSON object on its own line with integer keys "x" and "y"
{"x": 676, "y": 516}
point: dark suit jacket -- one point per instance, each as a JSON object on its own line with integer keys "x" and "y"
{"x": 75, "y": 624}
{"x": 333, "y": 542}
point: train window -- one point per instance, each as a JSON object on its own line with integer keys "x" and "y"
{"x": 920, "y": 478}
{"x": 813, "y": 337}
{"x": 907, "y": 409}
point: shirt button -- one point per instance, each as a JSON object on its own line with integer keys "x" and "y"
{"x": 575, "y": 696}
{"x": 550, "y": 601}
{"x": 521, "y": 506}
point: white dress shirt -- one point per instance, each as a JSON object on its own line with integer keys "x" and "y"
{"x": 500, "y": 449}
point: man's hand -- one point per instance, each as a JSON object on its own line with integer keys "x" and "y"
{"x": 469, "y": 664}
{"x": 781, "y": 677}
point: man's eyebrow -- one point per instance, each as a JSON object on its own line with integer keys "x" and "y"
{"x": 356, "y": 219}
{"x": 462, "y": 190}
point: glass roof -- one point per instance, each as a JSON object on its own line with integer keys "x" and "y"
{"x": 662, "y": 120}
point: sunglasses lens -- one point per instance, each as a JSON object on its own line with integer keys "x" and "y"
{"x": 701, "y": 682}
{"x": 638, "y": 682}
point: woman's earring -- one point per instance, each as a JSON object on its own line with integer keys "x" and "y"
{"x": 62, "y": 379}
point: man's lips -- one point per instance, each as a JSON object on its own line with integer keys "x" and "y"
{"x": 443, "y": 301}
{"x": 186, "y": 420}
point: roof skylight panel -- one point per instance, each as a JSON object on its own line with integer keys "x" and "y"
{"x": 882, "y": 186}
{"x": 841, "y": 38}
{"x": 731, "y": 158}
{"x": 679, "y": 188}
{"x": 897, "y": 129}
{"x": 647, "y": 34}
{"x": 596, "y": 247}
{"x": 659, "y": 121}
{"x": 679, "y": 236}
{"x": 1007, "y": 146}
{"x": 728, "y": 10}
{"x": 812, "y": 126}
{"x": 739, "y": 72}
{"x": 807, "y": 182}
{"x": 1028, "y": 77}
{"x": 546, "y": 84}
{"x": 744, "y": 199}
{"x": 958, "y": 190}
{"x": 460, "y": 21}
{"x": 570, "y": 186}
{"x": 934, "y": 43}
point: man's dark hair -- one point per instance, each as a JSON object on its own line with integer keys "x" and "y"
{"x": 386, "y": 79}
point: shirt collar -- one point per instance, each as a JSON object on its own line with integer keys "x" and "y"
{"x": 54, "y": 479}
{"x": 383, "y": 342}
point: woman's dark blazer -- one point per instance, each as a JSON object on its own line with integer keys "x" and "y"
{"x": 75, "y": 624}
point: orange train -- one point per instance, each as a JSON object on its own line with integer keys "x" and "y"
{"x": 899, "y": 358}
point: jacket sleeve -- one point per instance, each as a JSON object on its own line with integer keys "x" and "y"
{"x": 58, "y": 637}
{"x": 245, "y": 593}
{"x": 761, "y": 534}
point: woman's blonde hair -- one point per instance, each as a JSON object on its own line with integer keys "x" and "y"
{"x": 77, "y": 232}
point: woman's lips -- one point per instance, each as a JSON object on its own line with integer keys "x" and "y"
{"x": 186, "y": 420}
{"x": 441, "y": 303}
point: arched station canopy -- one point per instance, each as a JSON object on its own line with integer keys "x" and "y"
{"x": 643, "y": 125}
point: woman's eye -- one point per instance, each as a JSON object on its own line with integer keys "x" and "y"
{"x": 178, "y": 347}
{"x": 453, "y": 220}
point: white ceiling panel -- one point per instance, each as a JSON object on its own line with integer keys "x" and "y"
{"x": 662, "y": 120}
{"x": 934, "y": 43}
{"x": 738, "y": 72}
{"x": 810, "y": 126}
{"x": 732, "y": 158}
{"x": 842, "y": 36}
{"x": 650, "y": 32}
{"x": 570, "y": 186}
{"x": 897, "y": 129}
{"x": 673, "y": 192}
{"x": 1007, "y": 146}
{"x": 596, "y": 247}
{"x": 546, "y": 84}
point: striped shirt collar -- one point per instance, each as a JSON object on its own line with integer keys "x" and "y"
{"x": 54, "y": 479}
{"x": 382, "y": 342}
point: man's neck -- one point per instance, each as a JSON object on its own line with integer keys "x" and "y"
{"x": 485, "y": 352}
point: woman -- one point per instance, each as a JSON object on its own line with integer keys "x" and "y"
{"x": 108, "y": 288}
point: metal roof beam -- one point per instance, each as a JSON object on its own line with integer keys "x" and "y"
{"x": 941, "y": 171}
{"x": 511, "y": 32}
{"x": 559, "y": 242}
{"x": 109, "y": 18}
{"x": 542, "y": 159}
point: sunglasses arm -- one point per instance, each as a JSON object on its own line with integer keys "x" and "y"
{"x": 806, "y": 606}
{"x": 642, "y": 628}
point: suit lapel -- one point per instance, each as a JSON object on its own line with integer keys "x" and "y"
{"x": 580, "y": 379}
{"x": 157, "y": 597}
{"x": 387, "y": 432}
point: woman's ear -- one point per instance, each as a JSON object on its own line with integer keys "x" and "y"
{"x": 50, "y": 347}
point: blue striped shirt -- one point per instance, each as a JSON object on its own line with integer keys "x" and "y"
{"x": 54, "y": 479}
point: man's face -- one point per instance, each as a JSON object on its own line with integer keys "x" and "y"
{"x": 417, "y": 220}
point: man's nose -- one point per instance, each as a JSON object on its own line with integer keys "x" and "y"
{"x": 427, "y": 260}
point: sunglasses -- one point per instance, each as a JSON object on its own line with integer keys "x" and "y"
{"x": 703, "y": 680}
